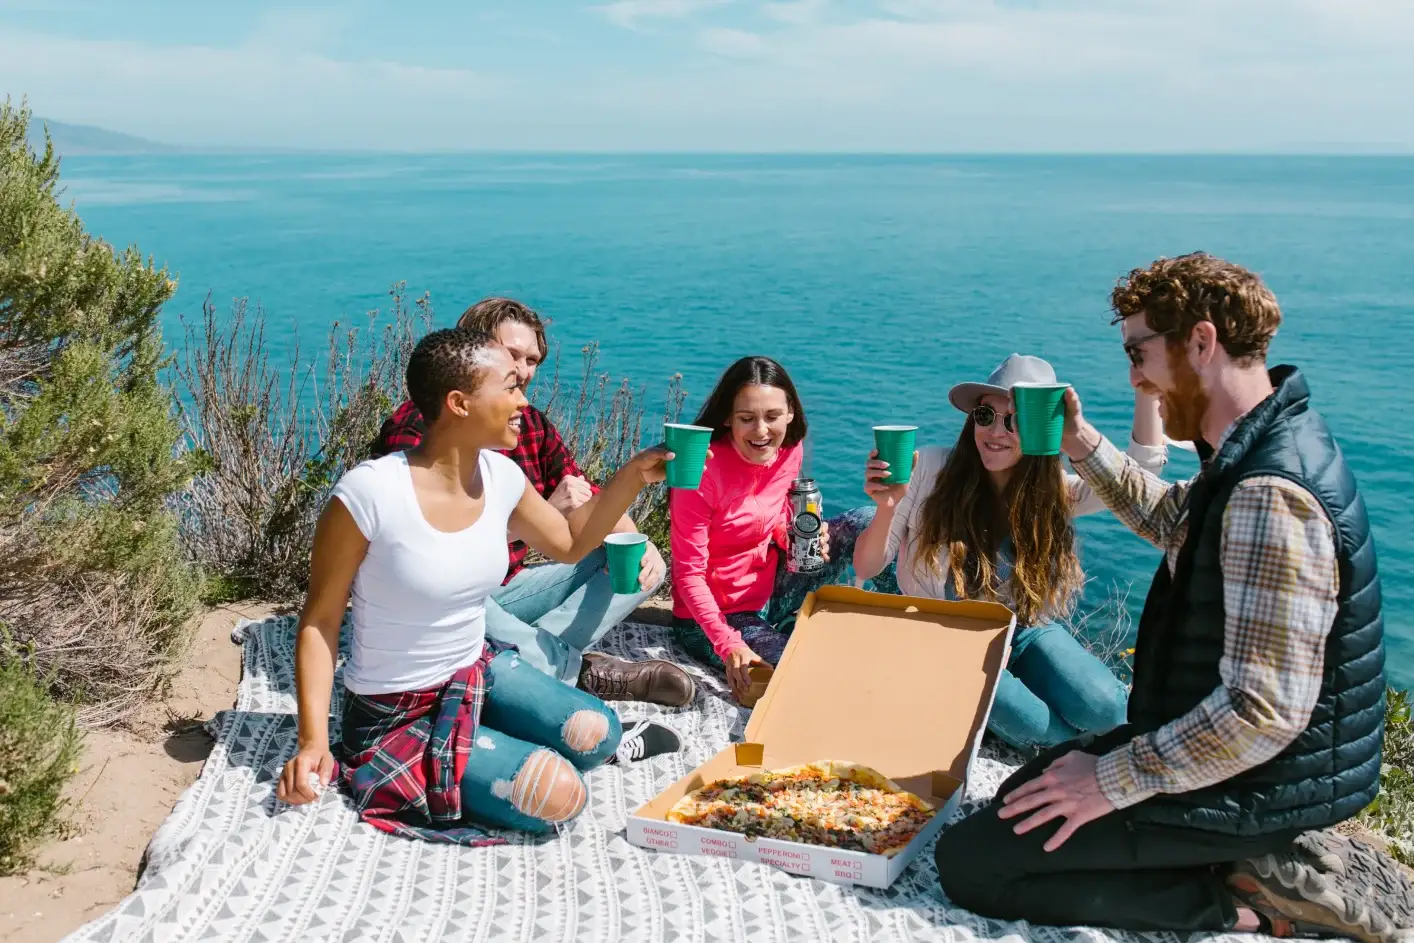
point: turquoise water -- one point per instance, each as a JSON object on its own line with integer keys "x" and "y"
{"x": 878, "y": 282}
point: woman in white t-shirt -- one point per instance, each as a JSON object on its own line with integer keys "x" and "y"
{"x": 439, "y": 731}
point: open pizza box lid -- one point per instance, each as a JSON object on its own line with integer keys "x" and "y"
{"x": 899, "y": 684}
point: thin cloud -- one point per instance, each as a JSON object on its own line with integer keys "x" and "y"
{"x": 630, "y": 14}
{"x": 732, "y": 43}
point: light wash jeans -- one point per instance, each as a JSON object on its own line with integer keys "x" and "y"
{"x": 554, "y": 612}
{"x": 1053, "y": 690}
{"x": 526, "y": 713}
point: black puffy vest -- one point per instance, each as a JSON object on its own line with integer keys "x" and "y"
{"x": 1332, "y": 769}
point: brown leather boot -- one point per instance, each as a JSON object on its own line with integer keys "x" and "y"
{"x": 657, "y": 682}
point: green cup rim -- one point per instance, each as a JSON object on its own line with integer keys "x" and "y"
{"x": 1026, "y": 385}
{"x": 895, "y": 428}
{"x": 686, "y": 427}
{"x": 626, "y": 540}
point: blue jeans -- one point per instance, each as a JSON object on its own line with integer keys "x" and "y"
{"x": 1054, "y": 690}
{"x": 523, "y": 771}
{"x": 553, "y": 612}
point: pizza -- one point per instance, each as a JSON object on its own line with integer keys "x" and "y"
{"x": 834, "y": 804}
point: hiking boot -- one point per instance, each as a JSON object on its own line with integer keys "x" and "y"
{"x": 1327, "y": 885}
{"x": 645, "y": 740}
{"x": 657, "y": 682}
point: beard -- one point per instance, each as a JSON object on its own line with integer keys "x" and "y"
{"x": 1185, "y": 405}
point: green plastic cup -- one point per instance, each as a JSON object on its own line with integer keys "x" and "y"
{"x": 1040, "y": 416}
{"x": 625, "y": 553}
{"x": 896, "y": 445}
{"x": 689, "y": 446}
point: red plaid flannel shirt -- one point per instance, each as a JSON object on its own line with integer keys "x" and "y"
{"x": 404, "y": 756}
{"x": 540, "y": 453}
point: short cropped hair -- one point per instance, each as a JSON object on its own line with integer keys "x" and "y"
{"x": 443, "y": 361}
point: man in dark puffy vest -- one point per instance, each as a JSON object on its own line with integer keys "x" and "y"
{"x": 1256, "y": 717}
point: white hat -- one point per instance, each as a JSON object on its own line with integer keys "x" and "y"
{"x": 1018, "y": 368}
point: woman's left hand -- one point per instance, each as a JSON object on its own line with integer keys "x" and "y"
{"x": 825, "y": 540}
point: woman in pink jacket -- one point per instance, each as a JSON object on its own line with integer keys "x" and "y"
{"x": 734, "y": 602}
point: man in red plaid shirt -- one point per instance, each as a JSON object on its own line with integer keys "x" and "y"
{"x": 552, "y": 612}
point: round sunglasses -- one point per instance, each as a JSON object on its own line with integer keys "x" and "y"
{"x": 985, "y": 415}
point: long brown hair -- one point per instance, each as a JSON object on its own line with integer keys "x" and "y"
{"x": 965, "y": 521}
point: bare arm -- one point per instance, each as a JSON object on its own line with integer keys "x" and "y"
{"x": 339, "y": 549}
{"x": 551, "y": 533}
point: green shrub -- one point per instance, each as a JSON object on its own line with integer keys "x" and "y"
{"x": 1392, "y": 812}
{"x": 93, "y": 583}
{"x": 39, "y": 750}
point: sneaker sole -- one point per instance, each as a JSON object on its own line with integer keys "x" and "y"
{"x": 1331, "y": 884}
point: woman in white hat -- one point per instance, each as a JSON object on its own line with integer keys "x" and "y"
{"x": 983, "y": 521}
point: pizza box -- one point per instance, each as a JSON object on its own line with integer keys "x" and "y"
{"x": 899, "y": 684}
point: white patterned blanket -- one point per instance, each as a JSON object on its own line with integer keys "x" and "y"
{"x": 232, "y": 864}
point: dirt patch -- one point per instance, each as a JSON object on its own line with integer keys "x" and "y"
{"x": 128, "y": 782}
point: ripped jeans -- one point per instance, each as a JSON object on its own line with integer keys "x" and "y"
{"x": 535, "y": 738}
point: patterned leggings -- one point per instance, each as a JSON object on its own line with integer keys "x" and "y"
{"x": 768, "y": 631}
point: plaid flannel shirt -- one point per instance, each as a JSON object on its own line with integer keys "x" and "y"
{"x": 540, "y": 453}
{"x": 1280, "y": 581}
{"x": 404, "y": 754}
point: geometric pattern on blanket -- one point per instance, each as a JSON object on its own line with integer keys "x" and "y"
{"x": 233, "y": 864}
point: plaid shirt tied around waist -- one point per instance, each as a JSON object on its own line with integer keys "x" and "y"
{"x": 404, "y": 755}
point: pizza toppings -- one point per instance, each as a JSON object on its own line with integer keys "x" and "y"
{"x": 833, "y": 805}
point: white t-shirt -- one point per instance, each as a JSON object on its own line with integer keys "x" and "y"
{"x": 419, "y": 598}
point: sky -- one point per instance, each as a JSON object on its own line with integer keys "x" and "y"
{"x": 1172, "y": 76}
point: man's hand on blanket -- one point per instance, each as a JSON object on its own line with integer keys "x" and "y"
{"x": 1067, "y": 790}
{"x": 295, "y": 787}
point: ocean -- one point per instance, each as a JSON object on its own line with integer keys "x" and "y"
{"x": 877, "y": 281}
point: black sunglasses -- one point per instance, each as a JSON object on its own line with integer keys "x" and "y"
{"x": 1134, "y": 348}
{"x": 985, "y": 415}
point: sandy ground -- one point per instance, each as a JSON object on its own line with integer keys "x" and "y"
{"x": 129, "y": 780}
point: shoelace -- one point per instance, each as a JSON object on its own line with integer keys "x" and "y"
{"x": 606, "y": 682}
{"x": 632, "y": 747}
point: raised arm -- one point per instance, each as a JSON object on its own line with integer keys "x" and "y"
{"x": 1147, "y": 447}
{"x": 1144, "y": 502}
{"x": 339, "y": 549}
{"x": 548, "y": 531}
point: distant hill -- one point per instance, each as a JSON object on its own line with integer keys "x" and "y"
{"x": 75, "y": 139}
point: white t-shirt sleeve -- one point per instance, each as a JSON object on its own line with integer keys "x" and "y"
{"x": 504, "y": 479}
{"x": 358, "y": 490}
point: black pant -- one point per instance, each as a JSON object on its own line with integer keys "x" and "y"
{"x": 1116, "y": 871}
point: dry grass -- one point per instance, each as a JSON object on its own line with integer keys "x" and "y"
{"x": 1107, "y": 630}
{"x": 273, "y": 441}
{"x": 603, "y": 426}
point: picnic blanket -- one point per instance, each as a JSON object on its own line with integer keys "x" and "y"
{"x": 232, "y": 863}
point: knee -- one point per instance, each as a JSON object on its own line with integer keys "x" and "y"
{"x": 548, "y": 788}
{"x": 1106, "y": 707}
{"x": 966, "y": 855}
{"x": 959, "y": 867}
{"x": 585, "y": 730}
